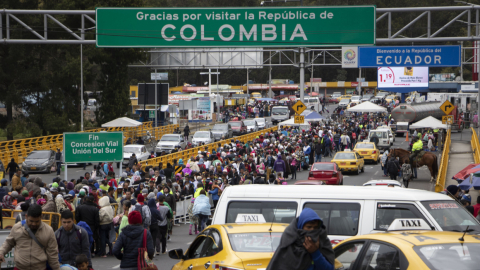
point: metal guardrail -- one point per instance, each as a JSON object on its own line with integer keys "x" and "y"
{"x": 186, "y": 154}
{"x": 475, "y": 146}
{"x": 442, "y": 170}
{"x": 19, "y": 149}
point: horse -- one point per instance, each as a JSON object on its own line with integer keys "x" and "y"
{"x": 428, "y": 159}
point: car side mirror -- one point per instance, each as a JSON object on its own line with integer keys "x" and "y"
{"x": 176, "y": 254}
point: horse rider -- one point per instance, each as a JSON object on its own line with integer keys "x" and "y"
{"x": 416, "y": 148}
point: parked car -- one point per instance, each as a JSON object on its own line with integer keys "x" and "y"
{"x": 251, "y": 125}
{"x": 39, "y": 161}
{"x": 139, "y": 150}
{"x": 205, "y": 137}
{"x": 326, "y": 171}
{"x": 367, "y": 97}
{"x": 263, "y": 123}
{"x": 238, "y": 127}
{"x": 344, "y": 103}
{"x": 220, "y": 131}
{"x": 168, "y": 142}
{"x": 310, "y": 182}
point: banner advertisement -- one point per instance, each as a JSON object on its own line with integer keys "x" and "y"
{"x": 396, "y": 77}
{"x": 203, "y": 111}
{"x": 350, "y": 57}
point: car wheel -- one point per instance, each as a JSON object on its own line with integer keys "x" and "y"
{"x": 363, "y": 168}
{"x": 358, "y": 171}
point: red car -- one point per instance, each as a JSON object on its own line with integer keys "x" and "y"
{"x": 326, "y": 171}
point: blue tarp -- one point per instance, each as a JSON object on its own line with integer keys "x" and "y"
{"x": 266, "y": 99}
{"x": 314, "y": 116}
{"x": 466, "y": 185}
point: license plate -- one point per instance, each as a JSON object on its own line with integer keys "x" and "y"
{"x": 343, "y": 163}
{"x": 33, "y": 168}
{"x": 363, "y": 152}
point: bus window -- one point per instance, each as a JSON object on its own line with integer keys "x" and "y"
{"x": 452, "y": 100}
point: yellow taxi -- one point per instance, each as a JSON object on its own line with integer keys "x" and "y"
{"x": 368, "y": 151}
{"x": 349, "y": 161}
{"x": 346, "y": 97}
{"x": 409, "y": 244}
{"x": 232, "y": 246}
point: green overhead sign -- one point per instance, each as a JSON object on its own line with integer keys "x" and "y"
{"x": 236, "y": 27}
{"x": 83, "y": 147}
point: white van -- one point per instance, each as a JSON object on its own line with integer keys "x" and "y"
{"x": 312, "y": 103}
{"x": 384, "y": 140}
{"x": 345, "y": 210}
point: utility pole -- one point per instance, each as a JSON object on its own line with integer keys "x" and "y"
{"x": 81, "y": 87}
{"x": 156, "y": 122}
{"x": 302, "y": 73}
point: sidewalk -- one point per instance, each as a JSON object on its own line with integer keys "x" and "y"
{"x": 460, "y": 143}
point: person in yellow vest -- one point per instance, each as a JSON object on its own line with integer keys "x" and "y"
{"x": 416, "y": 148}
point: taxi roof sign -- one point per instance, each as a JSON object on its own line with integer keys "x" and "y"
{"x": 406, "y": 224}
{"x": 250, "y": 218}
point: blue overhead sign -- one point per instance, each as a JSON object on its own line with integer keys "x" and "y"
{"x": 409, "y": 56}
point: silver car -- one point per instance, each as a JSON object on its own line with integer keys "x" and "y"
{"x": 205, "y": 137}
{"x": 168, "y": 142}
{"x": 251, "y": 125}
{"x": 139, "y": 150}
{"x": 220, "y": 131}
{"x": 262, "y": 123}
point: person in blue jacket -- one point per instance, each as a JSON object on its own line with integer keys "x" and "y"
{"x": 215, "y": 196}
{"x": 304, "y": 245}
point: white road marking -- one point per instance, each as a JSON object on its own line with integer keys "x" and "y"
{"x": 115, "y": 267}
{"x": 375, "y": 173}
{"x": 345, "y": 176}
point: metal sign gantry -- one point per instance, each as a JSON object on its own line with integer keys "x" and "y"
{"x": 469, "y": 14}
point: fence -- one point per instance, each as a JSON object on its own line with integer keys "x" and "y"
{"x": 185, "y": 154}
{"x": 19, "y": 149}
{"x": 475, "y": 146}
{"x": 442, "y": 170}
{"x": 52, "y": 219}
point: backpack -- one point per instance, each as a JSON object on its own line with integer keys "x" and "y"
{"x": 354, "y": 136}
{"x": 392, "y": 167}
{"x": 146, "y": 214}
{"x": 406, "y": 171}
{"x": 85, "y": 226}
{"x": 79, "y": 235}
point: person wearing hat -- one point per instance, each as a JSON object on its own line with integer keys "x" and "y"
{"x": 16, "y": 179}
{"x": 131, "y": 240}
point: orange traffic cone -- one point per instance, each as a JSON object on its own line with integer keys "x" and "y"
{"x": 407, "y": 137}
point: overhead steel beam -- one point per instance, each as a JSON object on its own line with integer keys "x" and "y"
{"x": 383, "y": 14}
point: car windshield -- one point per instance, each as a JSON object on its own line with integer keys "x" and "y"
{"x": 260, "y": 120}
{"x": 450, "y": 256}
{"x": 201, "y": 135}
{"x": 249, "y": 123}
{"x": 322, "y": 167}
{"x": 39, "y": 154}
{"x": 255, "y": 242}
{"x": 344, "y": 101}
{"x": 356, "y": 98}
{"x": 336, "y": 95}
{"x": 380, "y": 134}
{"x": 279, "y": 111}
{"x": 220, "y": 127}
{"x": 344, "y": 156}
{"x": 235, "y": 124}
{"x": 364, "y": 146}
{"x": 451, "y": 216}
{"x": 131, "y": 150}
{"x": 170, "y": 139}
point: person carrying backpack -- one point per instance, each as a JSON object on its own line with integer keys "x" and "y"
{"x": 393, "y": 168}
{"x": 406, "y": 173}
{"x": 72, "y": 240}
